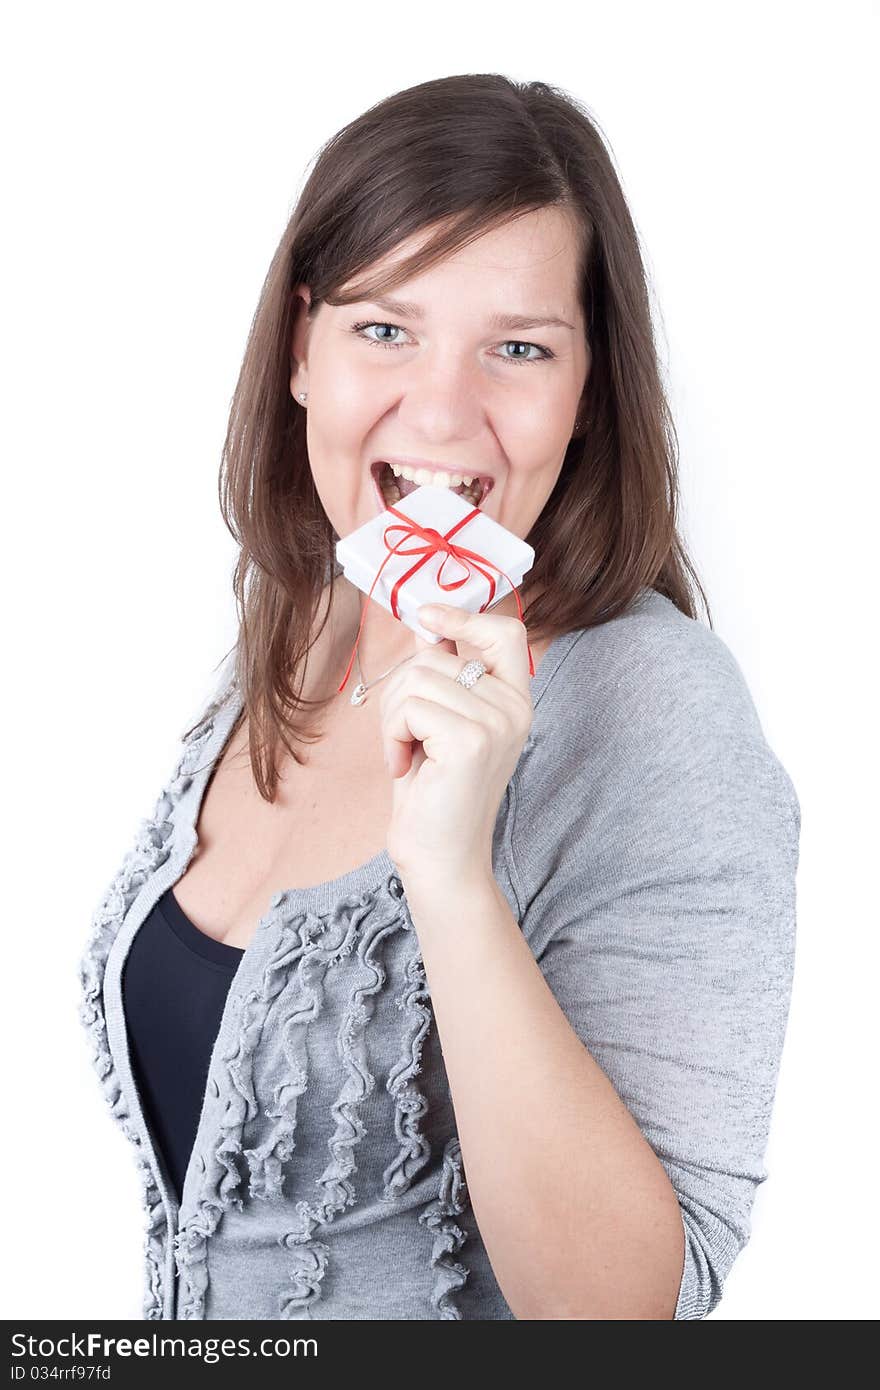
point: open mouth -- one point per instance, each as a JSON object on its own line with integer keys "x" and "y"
{"x": 390, "y": 488}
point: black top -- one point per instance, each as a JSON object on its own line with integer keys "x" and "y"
{"x": 174, "y": 987}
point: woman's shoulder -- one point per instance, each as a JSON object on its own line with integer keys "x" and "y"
{"x": 653, "y": 690}
{"x": 647, "y": 763}
{"x": 650, "y": 648}
{"x": 652, "y": 665}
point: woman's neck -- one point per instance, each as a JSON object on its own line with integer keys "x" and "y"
{"x": 384, "y": 639}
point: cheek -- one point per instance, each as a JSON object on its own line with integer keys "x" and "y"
{"x": 527, "y": 488}
{"x": 342, "y": 432}
{"x": 342, "y": 482}
{"x": 541, "y": 429}
{"x": 348, "y": 395}
{"x": 535, "y": 475}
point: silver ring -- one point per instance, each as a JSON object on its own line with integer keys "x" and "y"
{"x": 470, "y": 673}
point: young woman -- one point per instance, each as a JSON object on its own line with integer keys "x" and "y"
{"x": 466, "y": 998}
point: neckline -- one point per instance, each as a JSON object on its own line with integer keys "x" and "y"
{"x": 364, "y": 879}
{"x": 217, "y": 952}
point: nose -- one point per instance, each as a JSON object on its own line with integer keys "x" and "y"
{"x": 444, "y": 396}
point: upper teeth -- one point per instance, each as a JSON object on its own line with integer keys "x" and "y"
{"x": 427, "y": 477}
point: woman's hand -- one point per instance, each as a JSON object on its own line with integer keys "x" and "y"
{"x": 452, "y": 750}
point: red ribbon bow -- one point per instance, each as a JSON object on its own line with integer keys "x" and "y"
{"x": 433, "y": 543}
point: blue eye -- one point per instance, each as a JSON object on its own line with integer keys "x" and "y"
{"x": 379, "y": 342}
{"x": 359, "y": 329}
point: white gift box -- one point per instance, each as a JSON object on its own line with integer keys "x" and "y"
{"x": 362, "y": 552}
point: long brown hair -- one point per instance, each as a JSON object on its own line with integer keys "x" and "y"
{"x": 461, "y": 154}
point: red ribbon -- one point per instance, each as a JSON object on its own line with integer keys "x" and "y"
{"x": 433, "y": 543}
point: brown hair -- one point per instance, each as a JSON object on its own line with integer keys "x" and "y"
{"x": 461, "y": 154}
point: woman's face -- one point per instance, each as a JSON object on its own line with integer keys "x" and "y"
{"x": 463, "y": 378}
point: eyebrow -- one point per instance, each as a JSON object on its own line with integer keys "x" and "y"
{"x": 404, "y": 309}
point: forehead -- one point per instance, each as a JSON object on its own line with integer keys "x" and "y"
{"x": 532, "y": 261}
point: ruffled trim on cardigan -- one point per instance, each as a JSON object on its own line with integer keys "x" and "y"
{"x": 151, "y": 849}
{"x": 293, "y": 985}
{"x": 451, "y": 1200}
{"x": 410, "y": 1104}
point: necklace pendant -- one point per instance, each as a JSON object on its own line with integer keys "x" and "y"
{"x": 359, "y": 694}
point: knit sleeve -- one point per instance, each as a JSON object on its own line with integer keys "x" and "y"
{"x": 655, "y": 844}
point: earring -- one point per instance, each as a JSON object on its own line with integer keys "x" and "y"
{"x": 303, "y": 395}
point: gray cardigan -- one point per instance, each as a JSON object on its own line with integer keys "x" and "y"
{"x": 647, "y": 844}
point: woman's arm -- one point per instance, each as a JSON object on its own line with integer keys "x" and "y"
{"x": 648, "y": 853}
{"x": 577, "y": 1214}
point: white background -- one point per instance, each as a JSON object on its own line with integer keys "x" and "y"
{"x": 152, "y": 156}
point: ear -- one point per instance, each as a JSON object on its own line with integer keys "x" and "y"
{"x": 581, "y": 420}
{"x": 302, "y": 300}
{"x": 582, "y": 417}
